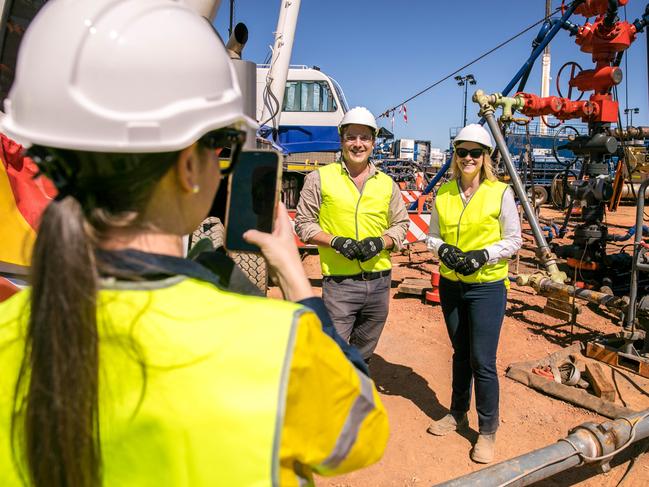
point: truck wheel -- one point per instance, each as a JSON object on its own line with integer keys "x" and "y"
{"x": 540, "y": 195}
{"x": 211, "y": 228}
{"x": 252, "y": 265}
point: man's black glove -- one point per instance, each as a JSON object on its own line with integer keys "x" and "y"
{"x": 450, "y": 255}
{"x": 473, "y": 260}
{"x": 370, "y": 247}
{"x": 346, "y": 246}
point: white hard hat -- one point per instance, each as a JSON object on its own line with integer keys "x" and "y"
{"x": 474, "y": 132}
{"x": 359, "y": 116}
{"x": 121, "y": 76}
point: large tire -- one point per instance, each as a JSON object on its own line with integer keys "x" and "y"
{"x": 252, "y": 265}
{"x": 211, "y": 228}
{"x": 540, "y": 194}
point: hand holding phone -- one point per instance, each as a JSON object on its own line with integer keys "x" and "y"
{"x": 253, "y": 192}
{"x": 281, "y": 254}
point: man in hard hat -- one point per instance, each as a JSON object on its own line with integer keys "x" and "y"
{"x": 356, "y": 216}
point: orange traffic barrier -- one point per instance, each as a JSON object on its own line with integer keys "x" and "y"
{"x": 432, "y": 296}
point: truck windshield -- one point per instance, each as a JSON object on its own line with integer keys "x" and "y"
{"x": 309, "y": 96}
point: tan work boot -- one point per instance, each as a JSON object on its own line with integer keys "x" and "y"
{"x": 483, "y": 450}
{"x": 447, "y": 425}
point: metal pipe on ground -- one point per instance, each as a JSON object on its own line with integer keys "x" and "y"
{"x": 631, "y": 190}
{"x": 548, "y": 287}
{"x": 587, "y": 443}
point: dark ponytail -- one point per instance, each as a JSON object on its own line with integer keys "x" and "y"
{"x": 61, "y": 440}
{"x": 55, "y": 425}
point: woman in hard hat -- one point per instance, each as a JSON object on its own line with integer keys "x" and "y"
{"x": 125, "y": 364}
{"x": 474, "y": 229}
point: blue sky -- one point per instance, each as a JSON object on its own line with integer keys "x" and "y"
{"x": 382, "y": 52}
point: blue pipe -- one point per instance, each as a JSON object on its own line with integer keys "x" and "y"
{"x": 539, "y": 49}
{"x": 630, "y": 233}
{"x": 434, "y": 181}
{"x": 553, "y": 231}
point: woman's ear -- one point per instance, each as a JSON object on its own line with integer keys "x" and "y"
{"x": 188, "y": 170}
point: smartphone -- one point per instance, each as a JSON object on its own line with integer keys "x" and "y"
{"x": 253, "y": 191}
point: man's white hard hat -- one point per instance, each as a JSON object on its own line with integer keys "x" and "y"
{"x": 359, "y": 116}
{"x": 474, "y": 133}
{"x": 121, "y": 76}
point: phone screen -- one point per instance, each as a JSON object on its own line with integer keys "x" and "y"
{"x": 252, "y": 197}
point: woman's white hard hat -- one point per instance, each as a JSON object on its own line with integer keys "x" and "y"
{"x": 359, "y": 116}
{"x": 474, "y": 133}
{"x": 121, "y": 76}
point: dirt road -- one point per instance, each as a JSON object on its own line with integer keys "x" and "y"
{"x": 412, "y": 369}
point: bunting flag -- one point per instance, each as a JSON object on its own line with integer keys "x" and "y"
{"x": 405, "y": 114}
{"x": 23, "y": 197}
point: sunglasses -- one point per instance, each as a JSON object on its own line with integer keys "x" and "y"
{"x": 474, "y": 153}
{"x": 227, "y": 144}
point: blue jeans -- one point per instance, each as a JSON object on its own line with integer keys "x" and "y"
{"x": 474, "y": 315}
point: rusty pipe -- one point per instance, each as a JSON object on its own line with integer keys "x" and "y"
{"x": 546, "y": 286}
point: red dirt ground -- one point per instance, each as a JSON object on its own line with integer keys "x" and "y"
{"x": 412, "y": 370}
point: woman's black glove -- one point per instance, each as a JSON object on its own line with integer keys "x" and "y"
{"x": 346, "y": 246}
{"x": 450, "y": 255}
{"x": 473, "y": 260}
{"x": 370, "y": 247}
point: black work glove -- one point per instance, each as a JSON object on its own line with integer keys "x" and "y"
{"x": 370, "y": 247}
{"x": 450, "y": 255}
{"x": 346, "y": 246}
{"x": 473, "y": 260}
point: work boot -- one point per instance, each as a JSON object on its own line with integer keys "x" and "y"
{"x": 447, "y": 425}
{"x": 483, "y": 450}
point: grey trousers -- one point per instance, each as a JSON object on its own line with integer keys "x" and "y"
{"x": 359, "y": 310}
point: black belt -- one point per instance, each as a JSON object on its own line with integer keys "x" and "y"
{"x": 363, "y": 276}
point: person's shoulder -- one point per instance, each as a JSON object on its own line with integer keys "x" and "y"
{"x": 501, "y": 186}
{"x": 384, "y": 177}
{"x": 13, "y": 311}
{"x": 208, "y": 292}
{"x": 448, "y": 186}
{"x": 335, "y": 166}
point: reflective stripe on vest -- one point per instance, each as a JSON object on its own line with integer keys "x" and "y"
{"x": 346, "y": 212}
{"x": 472, "y": 227}
{"x": 210, "y": 409}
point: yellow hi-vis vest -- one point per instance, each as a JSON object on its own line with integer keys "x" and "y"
{"x": 208, "y": 407}
{"x": 346, "y": 212}
{"x": 472, "y": 227}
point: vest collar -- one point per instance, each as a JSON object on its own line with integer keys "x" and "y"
{"x": 373, "y": 169}
{"x": 135, "y": 265}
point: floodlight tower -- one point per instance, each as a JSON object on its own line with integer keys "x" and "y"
{"x": 465, "y": 81}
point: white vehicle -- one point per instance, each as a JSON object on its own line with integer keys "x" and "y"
{"x": 312, "y": 108}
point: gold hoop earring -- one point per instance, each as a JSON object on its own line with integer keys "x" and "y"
{"x": 195, "y": 189}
